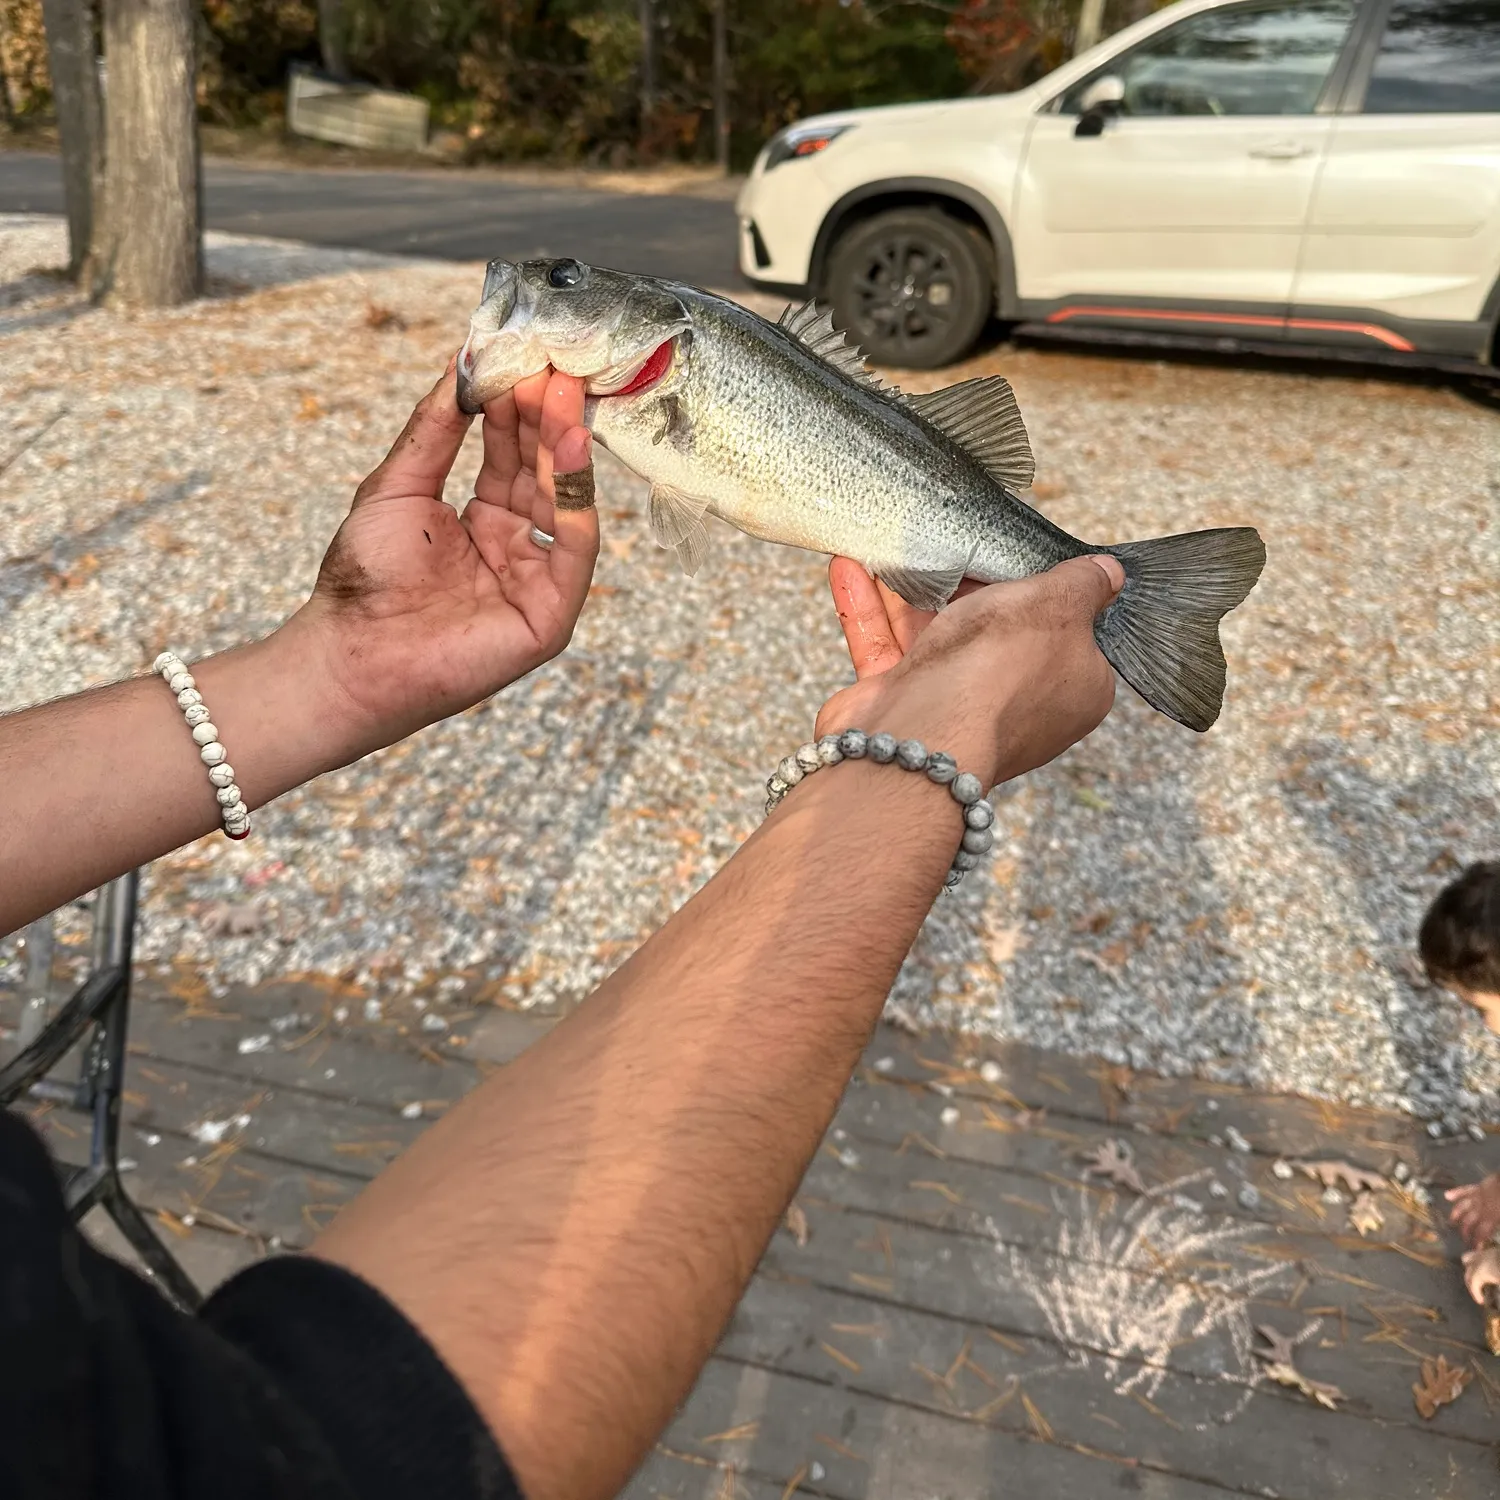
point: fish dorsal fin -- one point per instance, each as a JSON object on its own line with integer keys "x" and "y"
{"x": 812, "y": 326}
{"x": 982, "y": 417}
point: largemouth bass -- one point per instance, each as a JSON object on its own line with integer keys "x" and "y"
{"x": 781, "y": 430}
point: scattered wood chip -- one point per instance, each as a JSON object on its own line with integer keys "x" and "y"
{"x": 234, "y": 919}
{"x": 796, "y": 1225}
{"x": 1440, "y": 1384}
{"x": 1115, "y": 1162}
{"x": 843, "y": 1359}
{"x": 1039, "y": 1424}
{"x": 733, "y": 1434}
{"x": 1334, "y": 1174}
{"x": 1315, "y": 1390}
{"x": 1364, "y": 1214}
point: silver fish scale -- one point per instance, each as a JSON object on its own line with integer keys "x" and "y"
{"x": 731, "y": 424}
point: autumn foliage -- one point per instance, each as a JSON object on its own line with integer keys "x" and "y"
{"x": 560, "y": 78}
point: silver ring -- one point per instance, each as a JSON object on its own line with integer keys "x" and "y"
{"x": 540, "y": 537}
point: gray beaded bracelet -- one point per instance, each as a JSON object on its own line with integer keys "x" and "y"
{"x": 911, "y": 755}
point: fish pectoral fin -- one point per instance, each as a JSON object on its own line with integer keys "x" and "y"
{"x": 692, "y": 549}
{"x": 923, "y": 588}
{"x": 982, "y": 417}
{"x": 812, "y": 326}
{"x": 674, "y": 515}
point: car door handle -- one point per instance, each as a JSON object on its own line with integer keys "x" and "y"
{"x": 1281, "y": 151}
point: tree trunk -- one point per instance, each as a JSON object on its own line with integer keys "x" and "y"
{"x": 331, "y": 38}
{"x": 721, "y": 85}
{"x": 1090, "y": 25}
{"x": 648, "y": 60}
{"x": 73, "y": 59}
{"x": 152, "y": 174}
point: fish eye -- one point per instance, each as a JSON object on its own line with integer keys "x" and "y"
{"x": 565, "y": 273}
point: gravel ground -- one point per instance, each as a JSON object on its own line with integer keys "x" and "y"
{"x": 1241, "y": 905}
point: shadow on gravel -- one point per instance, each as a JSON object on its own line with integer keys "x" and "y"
{"x": 1393, "y": 841}
{"x": 1114, "y": 936}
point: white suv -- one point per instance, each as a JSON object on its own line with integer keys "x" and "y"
{"x": 1321, "y": 172}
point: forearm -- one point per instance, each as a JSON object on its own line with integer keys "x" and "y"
{"x": 96, "y": 784}
{"x": 575, "y": 1235}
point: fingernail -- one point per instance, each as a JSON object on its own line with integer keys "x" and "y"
{"x": 1111, "y": 568}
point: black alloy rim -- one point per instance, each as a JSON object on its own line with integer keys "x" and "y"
{"x": 893, "y": 294}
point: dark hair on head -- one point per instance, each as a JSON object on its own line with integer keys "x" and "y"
{"x": 1460, "y": 936}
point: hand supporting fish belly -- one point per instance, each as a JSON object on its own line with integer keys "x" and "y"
{"x": 781, "y": 430}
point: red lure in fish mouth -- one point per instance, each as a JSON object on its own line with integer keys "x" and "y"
{"x": 652, "y": 371}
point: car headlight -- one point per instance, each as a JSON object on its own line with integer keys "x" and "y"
{"x": 801, "y": 141}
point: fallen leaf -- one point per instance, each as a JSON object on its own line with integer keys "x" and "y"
{"x": 1364, "y": 1214}
{"x": 1440, "y": 1384}
{"x": 1332, "y": 1173}
{"x": 1282, "y": 1347}
{"x": 796, "y": 1224}
{"x": 1315, "y": 1390}
{"x": 1113, "y": 1160}
{"x": 1004, "y": 944}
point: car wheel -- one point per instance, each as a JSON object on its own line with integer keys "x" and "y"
{"x": 912, "y": 287}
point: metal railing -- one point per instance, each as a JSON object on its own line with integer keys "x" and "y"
{"x": 97, "y": 1014}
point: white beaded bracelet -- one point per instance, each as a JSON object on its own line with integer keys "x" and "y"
{"x": 173, "y": 671}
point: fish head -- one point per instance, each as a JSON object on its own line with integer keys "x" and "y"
{"x": 616, "y": 331}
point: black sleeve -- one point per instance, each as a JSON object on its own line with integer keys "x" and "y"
{"x": 297, "y": 1380}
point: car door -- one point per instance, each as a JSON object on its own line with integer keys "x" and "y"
{"x": 1196, "y": 191}
{"x": 1405, "y": 224}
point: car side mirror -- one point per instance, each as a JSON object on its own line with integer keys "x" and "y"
{"x": 1101, "y": 101}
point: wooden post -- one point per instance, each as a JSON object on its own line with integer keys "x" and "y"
{"x": 721, "y": 85}
{"x": 331, "y": 38}
{"x": 73, "y": 60}
{"x": 152, "y": 171}
{"x": 1090, "y": 25}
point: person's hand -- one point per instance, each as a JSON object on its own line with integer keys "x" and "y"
{"x": 1004, "y": 679}
{"x": 421, "y": 610}
{"x": 1476, "y": 1210}
{"x": 1482, "y": 1271}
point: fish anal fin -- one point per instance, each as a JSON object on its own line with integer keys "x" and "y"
{"x": 923, "y": 588}
{"x": 982, "y": 417}
{"x": 674, "y": 515}
{"x": 811, "y": 325}
{"x": 693, "y": 548}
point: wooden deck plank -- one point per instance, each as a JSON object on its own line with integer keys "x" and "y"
{"x": 936, "y": 1233}
{"x": 1203, "y": 1426}
{"x": 1017, "y": 1207}
{"x": 955, "y": 1273}
{"x": 880, "y": 1450}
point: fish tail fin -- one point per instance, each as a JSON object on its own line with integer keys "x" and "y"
{"x": 1161, "y": 634}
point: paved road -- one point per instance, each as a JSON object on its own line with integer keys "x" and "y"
{"x": 450, "y": 216}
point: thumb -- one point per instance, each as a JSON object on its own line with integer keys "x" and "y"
{"x": 1087, "y": 584}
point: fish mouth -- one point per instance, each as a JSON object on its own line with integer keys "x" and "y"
{"x": 632, "y": 379}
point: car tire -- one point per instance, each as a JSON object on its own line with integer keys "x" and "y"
{"x": 913, "y": 287}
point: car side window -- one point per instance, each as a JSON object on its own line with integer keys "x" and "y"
{"x": 1242, "y": 60}
{"x": 1437, "y": 57}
